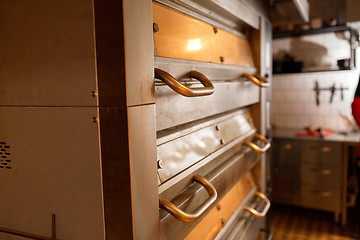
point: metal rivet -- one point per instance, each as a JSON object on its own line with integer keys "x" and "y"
{"x": 94, "y": 93}
{"x": 217, "y": 127}
{"x": 215, "y": 30}
{"x": 218, "y": 207}
{"x": 159, "y": 164}
{"x": 223, "y": 221}
{"x": 156, "y": 27}
{"x": 222, "y": 141}
{"x": 95, "y": 119}
{"x": 222, "y": 59}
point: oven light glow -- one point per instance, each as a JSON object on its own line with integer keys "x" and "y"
{"x": 194, "y": 44}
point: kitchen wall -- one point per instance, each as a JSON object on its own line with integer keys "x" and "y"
{"x": 294, "y": 99}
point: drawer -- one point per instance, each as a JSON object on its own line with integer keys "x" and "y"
{"x": 321, "y": 198}
{"x": 322, "y": 153}
{"x": 286, "y": 152}
{"x": 227, "y": 96}
{"x": 320, "y": 175}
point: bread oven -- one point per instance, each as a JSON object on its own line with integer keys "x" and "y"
{"x": 134, "y": 119}
{"x": 209, "y": 151}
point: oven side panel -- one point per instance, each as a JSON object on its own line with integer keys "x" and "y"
{"x": 125, "y": 68}
{"x": 47, "y": 53}
{"x": 52, "y": 167}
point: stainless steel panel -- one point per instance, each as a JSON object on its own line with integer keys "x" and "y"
{"x": 222, "y": 173}
{"x": 240, "y": 8}
{"x": 230, "y": 15}
{"x": 227, "y": 96}
{"x": 115, "y": 166}
{"x": 178, "y": 68}
{"x": 55, "y": 169}
{"x": 139, "y": 49}
{"x": 177, "y": 155}
{"x": 145, "y": 199}
{"x": 231, "y": 92}
{"x": 47, "y": 53}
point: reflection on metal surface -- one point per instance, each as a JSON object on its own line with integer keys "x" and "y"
{"x": 191, "y": 217}
{"x": 257, "y": 148}
{"x": 180, "y": 153}
{"x": 194, "y": 44}
{"x": 183, "y": 37}
{"x": 220, "y": 215}
{"x": 257, "y": 79}
{"x": 265, "y": 210}
{"x": 208, "y": 88}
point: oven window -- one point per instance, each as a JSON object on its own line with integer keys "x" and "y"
{"x": 180, "y": 36}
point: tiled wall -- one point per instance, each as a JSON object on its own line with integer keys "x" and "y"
{"x": 294, "y": 99}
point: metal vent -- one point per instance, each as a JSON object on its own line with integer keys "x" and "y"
{"x": 5, "y": 156}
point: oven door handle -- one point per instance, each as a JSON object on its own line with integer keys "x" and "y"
{"x": 256, "y": 147}
{"x": 265, "y": 210}
{"x": 257, "y": 79}
{"x": 180, "y": 88}
{"x": 191, "y": 217}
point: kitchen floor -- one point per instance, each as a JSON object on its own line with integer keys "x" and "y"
{"x": 295, "y": 223}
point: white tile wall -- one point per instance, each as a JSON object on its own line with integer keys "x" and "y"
{"x": 294, "y": 102}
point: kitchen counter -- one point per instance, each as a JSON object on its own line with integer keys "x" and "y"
{"x": 350, "y": 138}
{"x": 348, "y": 143}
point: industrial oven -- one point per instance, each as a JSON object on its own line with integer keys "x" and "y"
{"x": 134, "y": 119}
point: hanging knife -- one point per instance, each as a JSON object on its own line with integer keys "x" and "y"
{"x": 332, "y": 90}
{"x": 317, "y": 92}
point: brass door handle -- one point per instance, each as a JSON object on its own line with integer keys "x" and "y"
{"x": 265, "y": 210}
{"x": 180, "y": 88}
{"x": 191, "y": 217}
{"x": 256, "y": 147}
{"x": 257, "y": 79}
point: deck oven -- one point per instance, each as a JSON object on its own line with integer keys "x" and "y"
{"x": 209, "y": 149}
{"x": 134, "y": 119}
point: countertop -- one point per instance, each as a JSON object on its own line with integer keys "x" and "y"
{"x": 350, "y": 138}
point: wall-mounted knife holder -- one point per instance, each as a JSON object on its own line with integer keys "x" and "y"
{"x": 332, "y": 90}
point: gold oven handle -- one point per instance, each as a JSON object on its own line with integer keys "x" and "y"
{"x": 257, "y": 79}
{"x": 191, "y": 217}
{"x": 266, "y": 208}
{"x": 175, "y": 85}
{"x": 256, "y": 147}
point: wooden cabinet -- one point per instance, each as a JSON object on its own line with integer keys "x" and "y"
{"x": 308, "y": 173}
